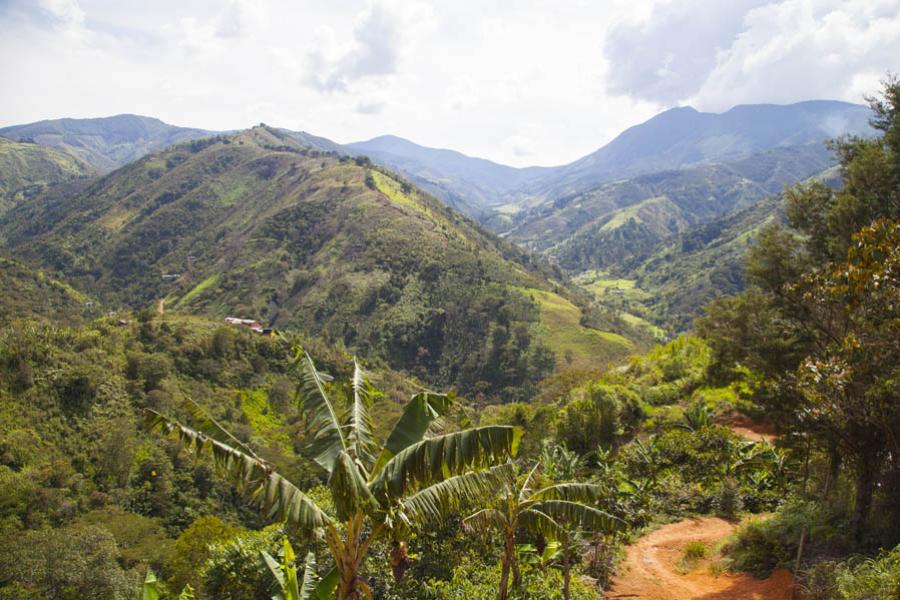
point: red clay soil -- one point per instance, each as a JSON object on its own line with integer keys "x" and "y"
{"x": 650, "y": 570}
{"x": 758, "y": 432}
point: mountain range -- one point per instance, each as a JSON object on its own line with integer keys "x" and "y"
{"x": 104, "y": 143}
{"x": 259, "y": 225}
{"x": 347, "y": 240}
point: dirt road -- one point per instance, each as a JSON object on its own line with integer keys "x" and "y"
{"x": 650, "y": 570}
{"x": 744, "y": 427}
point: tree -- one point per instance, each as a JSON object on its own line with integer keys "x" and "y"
{"x": 817, "y": 330}
{"x": 550, "y": 512}
{"x": 852, "y": 382}
{"x": 379, "y": 493}
{"x": 192, "y": 548}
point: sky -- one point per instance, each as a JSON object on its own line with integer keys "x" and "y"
{"x": 521, "y": 83}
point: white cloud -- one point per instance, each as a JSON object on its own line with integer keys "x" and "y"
{"x": 799, "y": 49}
{"x": 666, "y": 55}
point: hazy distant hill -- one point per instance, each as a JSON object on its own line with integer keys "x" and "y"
{"x": 258, "y": 225}
{"x": 683, "y": 137}
{"x": 622, "y": 220}
{"x": 675, "y": 139}
{"x": 468, "y": 184}
{"x": 104, "y": 143}
{"x": 28, "y": 169}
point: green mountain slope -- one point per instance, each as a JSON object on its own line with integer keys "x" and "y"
{"x": 29, "y": 294}
{"x": 28, "y": 169}
{"x": 470, "y": 185}
{"x": 683, "y": 137}
{"x": 619, "y": 221}
{"x": 670, "y": 284}
{"x": 675, "y": 139}
{"x": 257, "y": 225}
{"x": 104, "y": 143}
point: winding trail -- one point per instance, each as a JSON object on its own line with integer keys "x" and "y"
{"x": 650, "y": 570}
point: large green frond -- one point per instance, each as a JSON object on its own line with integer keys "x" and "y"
{"x": 349, "y": 488}
{"x": 437, "y": 501}
{"x": 310, "y": 578}
{"x": 277, "y": 573}
{"x": 485, "y": 519}
{"x": 325, "y": 588}
{"x": 436, "y": 459}
{"x": 360, "y": 440}
{"x": 536, "y": 521}
{"x": 530, "y": 480}
{"x": 328, "y": 440}
{"x": 573, "y": 492}
{"x": 574, "y": 514}
{"x": 276, "y": 496}
{"x": 419, "y": 414}
{"x": 204, "y": 423}
{"x": 150, "y": 588}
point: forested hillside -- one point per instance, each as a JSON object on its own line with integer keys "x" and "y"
{"x": 27, "y": 169}
{"x": 260, "y": 226}
{"x": 411, "y": 407}
{"x": 104, "y": 143}
{"x": 623, "y": 220}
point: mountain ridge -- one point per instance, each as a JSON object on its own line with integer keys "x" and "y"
{"x": 258, "y": 225}
{"x": 105, "y": 143}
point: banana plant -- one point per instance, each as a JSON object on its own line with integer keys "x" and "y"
{"x": 379, "y": 492}
{"x": 550, "y": 512}
{"x": 697, "y": 416}
{"x": 150, "y": 588}
{"x": 285, "y": 574}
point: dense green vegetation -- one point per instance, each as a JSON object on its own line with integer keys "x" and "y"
{"x": 259, "y": 226}
{"x": 623, "y": 219}
{"x": 29, "y": 293}
{"x": 78, "y": 465}
{"x": 28, "y": 169}
{"x": 148, "y": 447}
{"x": 105, "y": 143}
{"x": 815, "y": 340}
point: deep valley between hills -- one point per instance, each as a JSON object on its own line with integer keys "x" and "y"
{"x": 442, "y": 377}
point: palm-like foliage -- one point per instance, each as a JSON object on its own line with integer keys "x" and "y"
{"x": 551, "y": 511}
{"x": 290, "y": 587}
{"x": 696, "y": 417}
{"x": 377, "y": 492}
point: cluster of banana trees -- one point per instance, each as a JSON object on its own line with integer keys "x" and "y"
{"x": 382, "y": 492}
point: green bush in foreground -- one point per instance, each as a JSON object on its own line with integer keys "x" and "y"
{"x": 855, "y": 578}
{"x": 470, "y": 581}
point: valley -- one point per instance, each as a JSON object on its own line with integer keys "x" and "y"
{"x": 259, "y": 363}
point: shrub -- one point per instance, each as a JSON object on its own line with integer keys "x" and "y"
{"x": 728, "y": 499}
{"x": 76, "y": 388}
{"x": 693, "y": 552}
{"x": 476, "y": 581}
{"x": 696, "y": 550}
{"x": 597, "y": 416}
{"x": 856, "y": 578}
{"x": 234, "y": 570}
{"x": 761, "y": 546}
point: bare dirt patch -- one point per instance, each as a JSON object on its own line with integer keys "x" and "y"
{"x": 651, "y": 571}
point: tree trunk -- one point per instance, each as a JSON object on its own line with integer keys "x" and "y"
{"x": 834, "y": 467}
{"x": 865, "y": 484}
{"x": 517, "y": 575}
{"x": 347, "y": 589}
{"x": 566, "y": 566}
{"x": 509, "y": 553}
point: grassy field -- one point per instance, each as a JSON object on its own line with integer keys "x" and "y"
{"x": 198, "y": 289}
{"x": 574, "y": 344}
